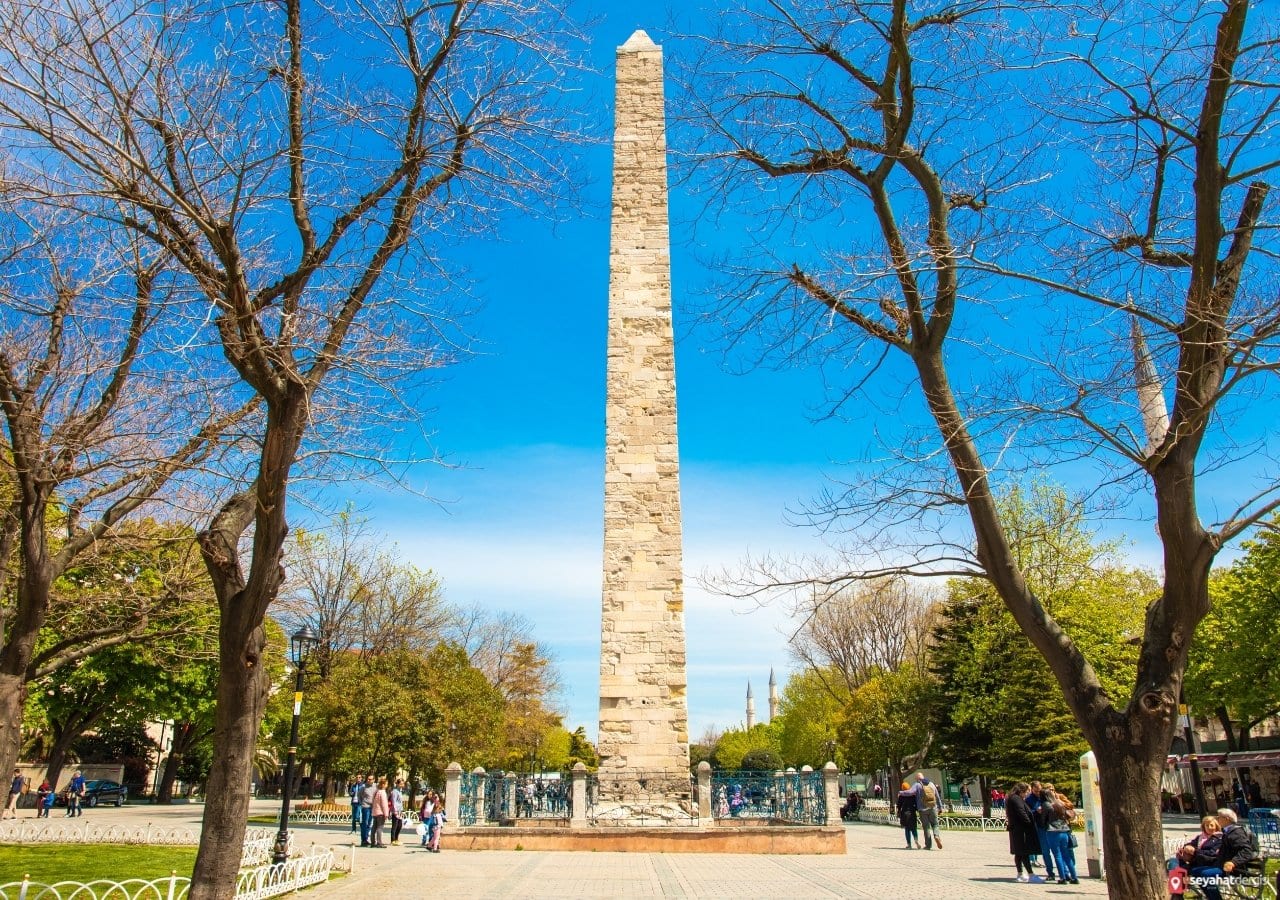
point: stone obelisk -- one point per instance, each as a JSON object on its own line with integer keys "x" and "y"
{"x": 643, "y": 710}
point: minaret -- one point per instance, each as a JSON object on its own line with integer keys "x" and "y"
{"x": 1155, "y": 415}
{"x": 643, "y": 711}
{"x": 773, "y": 696}
{"x": 751, "y": 708}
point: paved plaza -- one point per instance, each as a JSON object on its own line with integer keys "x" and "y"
{"x": 973, "y": 865}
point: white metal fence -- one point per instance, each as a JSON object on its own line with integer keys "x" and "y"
{"x": 884, "y": 816}
{"x": 258, "y": 842}
{"x": 256, "y": 883}
{"x": 336, "y": 817}
{"x": 171, "y": 888}
{"x": 297, "y": 873}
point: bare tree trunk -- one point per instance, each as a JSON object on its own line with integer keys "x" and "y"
{"x": 242, "y": 695}
{"x": 13, "y": 696}
{"x": 28, "y": 618}
{"x": 67, "y": 733}
{"x": 1132, "y": 832}
{"x": 185, "y": 736}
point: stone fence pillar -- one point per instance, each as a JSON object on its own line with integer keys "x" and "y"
{"x": 453, "y": 792}
{"x": 704, "y": 793}
{"x": 578, "y": 802}
{"x": 831, "y": 782}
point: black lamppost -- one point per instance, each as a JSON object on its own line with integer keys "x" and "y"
{"x": 300, "y": 646}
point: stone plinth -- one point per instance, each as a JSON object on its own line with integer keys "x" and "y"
{"x": 750, "y": 839}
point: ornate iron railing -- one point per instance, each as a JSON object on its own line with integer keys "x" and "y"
{"x": 469, "y": 802}
{"x": 1266, "y": 825}
{"x": 792, "y": 797}
{"x": 503, "y": 797}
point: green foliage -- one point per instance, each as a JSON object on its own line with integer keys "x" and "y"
{"x": 736, "y": 743}
{"x": 1232, "y": 662}
{"x": 762, "y": 760}
{"x": 125, "y": 743}
{"x": 998, "y": 710}
{"x": 581, "y": 750}
{"x": 398, "y": 709}
{"x": 808, "y": 719}
{"x": 887, "y": 719}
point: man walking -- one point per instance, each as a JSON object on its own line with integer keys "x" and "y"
{"x": 927, "y": 800}
{"x": 15, "y": 792}
{"x": 353, "y": 792}
{"x": 75, "y": 791}
{"x": 367, "y": 790}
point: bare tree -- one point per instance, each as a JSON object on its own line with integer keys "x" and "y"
{"x": 1030, "y": 182}
{"x": 92, "y": 431}
{"x": 863, "y": 629}
{"x": 358, "y": 595}
{"x": 301, "y": 164}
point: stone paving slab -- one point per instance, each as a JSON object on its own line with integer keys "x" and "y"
{"x": 971, "y": 867}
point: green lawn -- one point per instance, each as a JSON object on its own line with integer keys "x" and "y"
{"x": 49, "y": 863}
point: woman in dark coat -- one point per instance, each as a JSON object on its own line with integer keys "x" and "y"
{"x": 907, "y": 814}
{"x": 1023, "y": 843}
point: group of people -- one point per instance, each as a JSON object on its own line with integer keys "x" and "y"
{"x": 45, "y": 795}
{"x": 377, "y": 801}
{"x": 917, "y": 807}
{"x": 1039, "y": 820}
{"x": 1221, "y": 850}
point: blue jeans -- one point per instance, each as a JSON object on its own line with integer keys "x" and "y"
{"x": 366, "y": 822}
{"x": 1210, "y": 890}
{"x": 929, "y": 825}
{"x": 1063, "y": 854}
{"x": 1046, "y": 843}
{"x": 355, "y": 817}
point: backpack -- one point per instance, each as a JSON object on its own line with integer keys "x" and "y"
{"x": 930, "y": 796}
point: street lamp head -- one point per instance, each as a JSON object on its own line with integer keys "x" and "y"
{"x": 302, "y": 643}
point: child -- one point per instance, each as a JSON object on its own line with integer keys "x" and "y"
{"x": 437, "y": 819}
{"x": 44, "y": 800}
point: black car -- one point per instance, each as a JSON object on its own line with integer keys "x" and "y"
{"x": 99, "y": 791}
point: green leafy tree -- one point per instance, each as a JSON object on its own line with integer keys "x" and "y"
{"x": 736, "y": 743}
{"x": 761, "y": 760}
{"x": 996, "y": 714}
{"x": 1232, "y": 667}
{"x": 581, "y": 750}
{"x": 808, "y": 719}
{"x": 369, "y": 715}
{"x": 887, "y": 722}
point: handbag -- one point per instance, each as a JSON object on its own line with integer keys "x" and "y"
{"x": 1071, "y": 840}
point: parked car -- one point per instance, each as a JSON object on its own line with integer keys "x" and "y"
{"x": 99, "y": 791}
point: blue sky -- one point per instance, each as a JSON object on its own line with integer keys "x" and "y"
{"x": 518, "y": 522}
